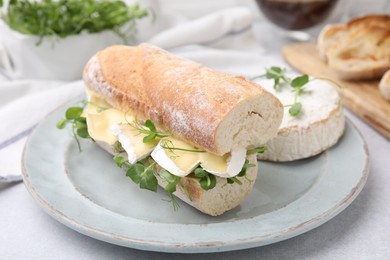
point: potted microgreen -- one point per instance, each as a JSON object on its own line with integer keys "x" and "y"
{"x": 53, "y": 39}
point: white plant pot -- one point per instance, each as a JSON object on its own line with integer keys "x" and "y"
{"x": 53, "y": 59}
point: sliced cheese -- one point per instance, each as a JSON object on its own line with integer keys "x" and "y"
{"x": 132, "y": 142}
{"x": 99, "y": 123}
{"x": 181, "y": 159}
{"x": 177, "y": 162}
{"x": 109, "y": 125}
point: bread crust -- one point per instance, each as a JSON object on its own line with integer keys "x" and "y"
{"x": 206, "y": 108}
{"x": 384, "y": 86}
{"x": 295, "y": 143}
{"x": 359, "y": 49}
{"x": 223, "y": 197}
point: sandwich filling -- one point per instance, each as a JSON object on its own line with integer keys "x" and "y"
{"x": 114, "y": 127}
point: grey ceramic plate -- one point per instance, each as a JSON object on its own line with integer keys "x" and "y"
{"x": 87, "y": 192}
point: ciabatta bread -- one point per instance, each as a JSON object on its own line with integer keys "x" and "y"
{"x": 384, "y": 86}
{"x": 319, "y": 125}
{"x": 359, "y": 49}
{"x": 212, "y": 110}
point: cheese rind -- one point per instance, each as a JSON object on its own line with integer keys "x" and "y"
{"x": 319, "y": 125}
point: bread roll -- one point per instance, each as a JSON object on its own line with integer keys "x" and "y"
{"x": 359, "y": 49}
{"x": 211, "y": 110}
{"x": 384, "y": 86}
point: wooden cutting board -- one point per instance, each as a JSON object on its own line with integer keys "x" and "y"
{"x": 361, "y": 97}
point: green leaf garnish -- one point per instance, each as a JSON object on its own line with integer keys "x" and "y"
{"x": 139, "y": 173}
{"x": 149, "y": 130}
{"x": 208, "y": 182}
{"x": 300, "y": 81}
{"x": 134, "y": 172}
{"x": 168, "y": 145}
{"x": 147, "y": 178}
{"x": 120, "y": 160}
{"x": 246, "y": 166}
{"x": 149, "y": 124}
{"x": 73, "y": 115}
{"x": 260, "y": 149}
{"x": 170, "y": 179}
{"x": 200, "y": 172}
{"x": 83, "y": 132}
{"x": 295, "y": 109}
{"x": 173, "y": 201}
{"x": 242, "y": 173}
{"x": 232, "y": 180}
{"x": 277, "y": 74}
{"x": 118, "y": 147}
{"x": 62, "y": 123}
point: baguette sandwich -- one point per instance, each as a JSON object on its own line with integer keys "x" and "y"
{"x": 195, "y": 130}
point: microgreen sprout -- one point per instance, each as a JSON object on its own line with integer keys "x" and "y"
{"x": 207, "y": 180}
{"x": 275, "y": 73}
{"x": 62, "y": 18}
{"x": 74, "y": 116}
{"x": 298, "y": 83}
{"x": 260, "y": 149}
{"x": 168, "y": 145}
{"x": 118, "y": 147}
{"x": 144, "y": 174}
{"x": 242, "y": 173}
{"x": 149, "y": 130}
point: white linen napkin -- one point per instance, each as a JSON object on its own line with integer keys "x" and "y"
{"x": 22, "y": 105}
{"x": 207, "y": 29}
{"x": 222, "y": 40}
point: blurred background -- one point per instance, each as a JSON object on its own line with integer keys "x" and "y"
{"x": 51, "y": 45}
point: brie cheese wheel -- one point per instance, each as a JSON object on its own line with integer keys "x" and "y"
{"x": 319, "y": 125}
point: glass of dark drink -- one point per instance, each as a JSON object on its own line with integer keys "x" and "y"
{"x": 296, "y": 15}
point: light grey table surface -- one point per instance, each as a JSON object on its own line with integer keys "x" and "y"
{"x": 362, "y": 231}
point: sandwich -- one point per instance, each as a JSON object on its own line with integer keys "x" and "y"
{"x": 170, "y": 121}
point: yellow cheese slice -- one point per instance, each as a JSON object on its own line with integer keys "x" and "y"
{"x": 110, "y": 125}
